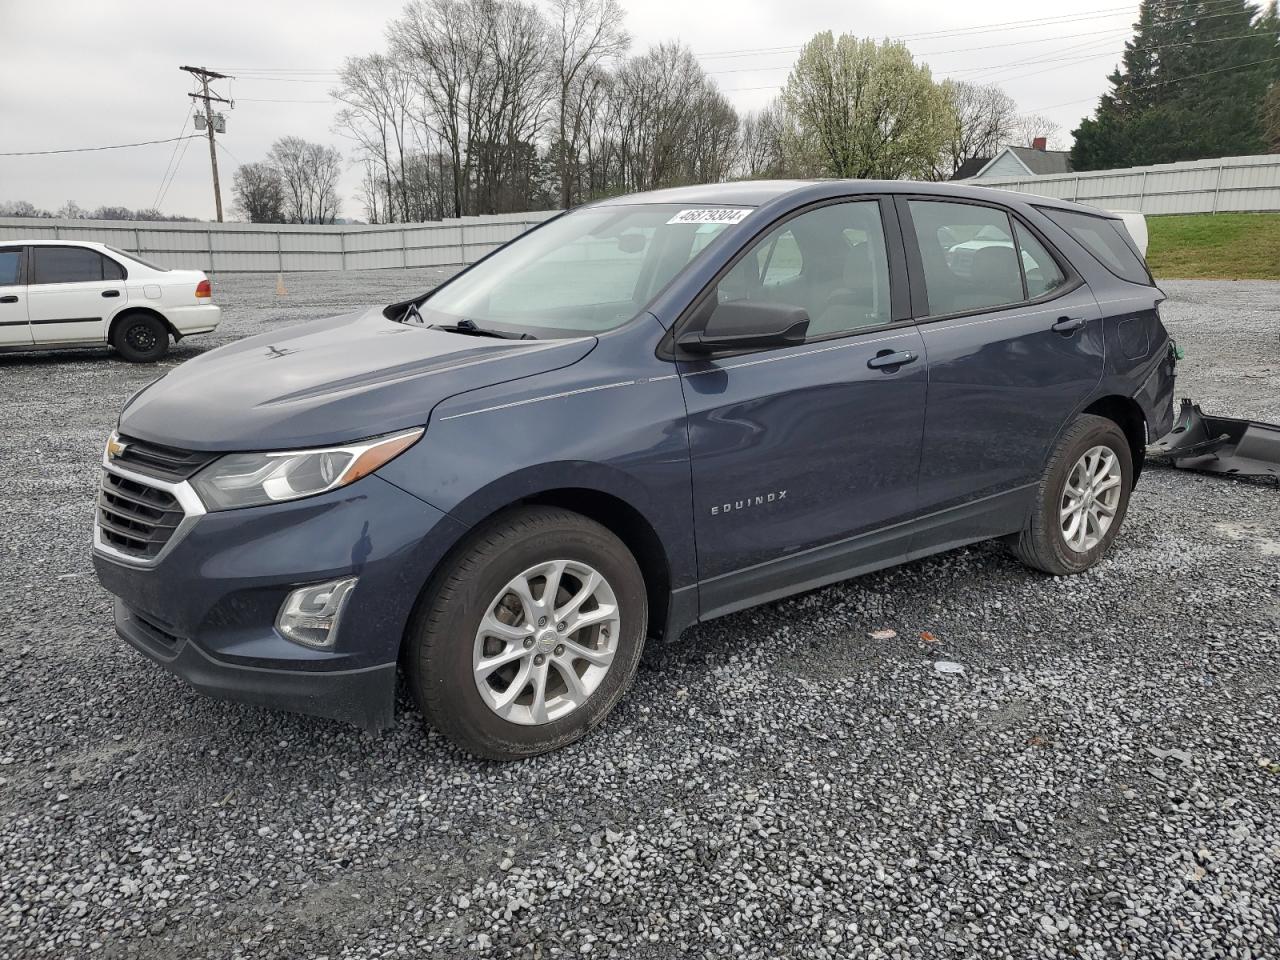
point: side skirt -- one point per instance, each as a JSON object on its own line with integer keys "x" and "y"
{"x": 984, "y": 519}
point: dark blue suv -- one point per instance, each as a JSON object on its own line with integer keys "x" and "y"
{"x": 647, "y": 412}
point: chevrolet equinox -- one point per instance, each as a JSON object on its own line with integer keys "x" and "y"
{"x": 645, "y": 413}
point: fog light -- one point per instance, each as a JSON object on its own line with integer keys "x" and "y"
{"x": 309, "y": 615}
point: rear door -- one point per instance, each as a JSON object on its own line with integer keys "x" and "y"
{"x": 15, "y": 330}
{"x": 803, "y": 455}
{"x": 71, "y": 293}
{"x": 1015, "y": 344}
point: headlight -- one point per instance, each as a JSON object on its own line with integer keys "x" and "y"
{"x": 252, "y": 479}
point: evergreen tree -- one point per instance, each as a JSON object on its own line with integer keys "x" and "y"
{"x": 1191, "y": 85}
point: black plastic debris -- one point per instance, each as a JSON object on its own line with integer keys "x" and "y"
{"x": 1238, "y": 448}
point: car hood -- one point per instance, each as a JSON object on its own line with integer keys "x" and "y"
{"x": 331, "y": 381}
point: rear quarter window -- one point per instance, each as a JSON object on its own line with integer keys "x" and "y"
{"x": 1106, "y": 240}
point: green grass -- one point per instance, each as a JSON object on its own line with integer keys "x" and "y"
{"x": 1215, "y": 246}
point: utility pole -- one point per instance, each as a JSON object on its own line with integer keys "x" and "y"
{"x": 204, "y": 76}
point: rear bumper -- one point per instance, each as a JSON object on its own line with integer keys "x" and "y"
{"x": 364, "y": 697}
{"x": 198, "y": 318}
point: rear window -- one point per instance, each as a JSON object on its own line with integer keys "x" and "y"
{"x": 66, "y": 265}
{"x": 1106, "y": 240}
{"x": 135, "y": 258}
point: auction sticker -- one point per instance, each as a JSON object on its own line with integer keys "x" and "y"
{"x": 711, "y": 215}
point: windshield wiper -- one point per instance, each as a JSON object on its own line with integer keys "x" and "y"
{"x": 473, "y": 329}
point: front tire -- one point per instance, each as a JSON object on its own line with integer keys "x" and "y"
{"x": 1082, "y": 499}
{"x": 529, "y": 635}
{"x": 140, "y": 338}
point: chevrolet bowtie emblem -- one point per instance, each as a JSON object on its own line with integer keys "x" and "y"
{"x": 115, "y": 447}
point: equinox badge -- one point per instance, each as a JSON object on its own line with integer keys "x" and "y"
{"x": 756, "y": 501}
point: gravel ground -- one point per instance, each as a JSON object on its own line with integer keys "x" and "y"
{"x": 1102, "y": 780}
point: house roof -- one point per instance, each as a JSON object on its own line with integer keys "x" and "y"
{"x": 1043, "y": 162}
{"x": 970, "y": 168}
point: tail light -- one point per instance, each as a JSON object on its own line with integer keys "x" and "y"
{"x": 204, "y": 290}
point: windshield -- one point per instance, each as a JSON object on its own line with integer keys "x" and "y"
{"x": 581, "y": 274}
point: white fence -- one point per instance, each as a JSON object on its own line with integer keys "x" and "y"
{"x": 1194, "y": 186}
{"x": 272, "y": 248}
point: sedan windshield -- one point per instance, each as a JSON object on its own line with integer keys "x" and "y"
{"x": 583, "y": 273}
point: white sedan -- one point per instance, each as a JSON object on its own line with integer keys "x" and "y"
{"x": 63, "y": 293}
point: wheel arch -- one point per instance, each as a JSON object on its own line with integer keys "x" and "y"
{"x": 130, "y": 311}
{"x": 628, "y": 523}
{"x": 1126, "y": 413}
{"x": 631, "y": 527}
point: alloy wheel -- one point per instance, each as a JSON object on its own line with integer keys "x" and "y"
{"x": 1090, "y": 499}
{"x": 546, "y": 642}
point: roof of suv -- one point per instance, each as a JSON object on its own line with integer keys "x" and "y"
{"x": 756, "y": 192}
{"x": 43, "y": 242}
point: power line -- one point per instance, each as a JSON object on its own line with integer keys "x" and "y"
{"x": 176, "y": 167}
{"x": 1164, "y": 83}
{"x": 172, "y": 154}
{"x": 994, "y": 70}
{"x": 114, "y": 146}
{"x": 256, "y": 100}
{"x": 1057, "y": 21}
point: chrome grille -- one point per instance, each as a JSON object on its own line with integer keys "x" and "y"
{"x": 135, "y": 518}
{"x": 157, "y": 460}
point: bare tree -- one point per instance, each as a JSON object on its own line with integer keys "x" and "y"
{"x": 760, "y": 143}
{"x": 1031, "y": 126}
{"x": 309, "y": 174}
{"x": 503, "y": 148}
{"x": 983, "y": 119}
{"x": 444, "y": 46}
{"x": 259, "y": 193}
{"x": 585, "y": 35}
{"x": 22, "y": 208}
{"x": 376, "y": 93}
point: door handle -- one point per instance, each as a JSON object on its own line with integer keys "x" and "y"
{"x": 890, "y": 358}
{"x": 10, "y": 298}
{"x": 1068, "y": 325}
{"x": 111, "y": 293}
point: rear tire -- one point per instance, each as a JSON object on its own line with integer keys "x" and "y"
{"x": 140, "y": 338}
{"x": 1082, "y": 499}
{"x": 489, "y": 604}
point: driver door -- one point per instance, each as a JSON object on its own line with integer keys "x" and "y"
{"x": 804, "y": 457}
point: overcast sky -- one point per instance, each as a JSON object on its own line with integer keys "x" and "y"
{"x": 81, "y": 73}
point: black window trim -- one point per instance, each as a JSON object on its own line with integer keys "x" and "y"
{"x": 22, "y": 263}
{"x": 899, "y": 290}
{"x": 915, "y": 263}
{"x": 1125, "y": 237}
{"x": 31, "y": 263}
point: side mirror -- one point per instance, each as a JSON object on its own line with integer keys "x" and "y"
{"x": 741, "y": 324}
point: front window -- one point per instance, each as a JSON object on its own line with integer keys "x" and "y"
{"x": 584, "y": 273}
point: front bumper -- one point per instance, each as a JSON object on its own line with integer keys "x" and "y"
{"x": 206, "y": 609}
{"x": 365, "y": 697}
